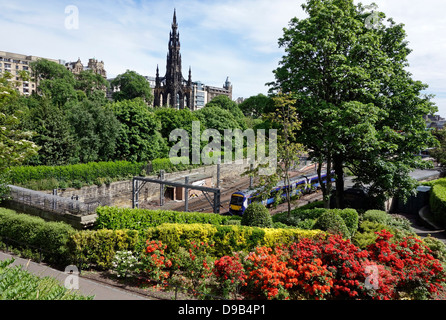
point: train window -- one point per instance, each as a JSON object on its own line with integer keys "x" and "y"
{"x": 237, "y": 200}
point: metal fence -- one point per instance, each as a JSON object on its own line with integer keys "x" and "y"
{"x": 51, "y": 203}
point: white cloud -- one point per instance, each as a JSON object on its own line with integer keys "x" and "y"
{"x": 219, "y": 38}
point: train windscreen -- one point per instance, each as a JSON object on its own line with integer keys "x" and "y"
{"x": 237, "y": 200}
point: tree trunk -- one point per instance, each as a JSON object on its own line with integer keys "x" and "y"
{"x": 339, "y": 172}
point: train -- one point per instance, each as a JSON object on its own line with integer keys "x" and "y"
{"x": 299, "y": 185}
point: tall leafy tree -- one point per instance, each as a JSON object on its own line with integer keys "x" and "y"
{"x": 52, "y": 133}
{"x": 258, "y": 105}
{"x": 224, "y": 102}
{"x": 139, "y": 137}
{"x": 16, "y": 144}
{"x": 359, "y": 106}
{"x": 95, "y": 129}
{"x": 132, "y": 85}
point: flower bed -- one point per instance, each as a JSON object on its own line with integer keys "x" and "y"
{"x": 318, "y": 268}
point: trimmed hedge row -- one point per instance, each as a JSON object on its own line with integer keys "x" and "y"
{"x": 98, "y": 248}
{"x": 308, "y": 219}
{"x": 89, "y": 173}
{"x": 225, "y": 240}
{"x": 78, "y": 175}
{"x": 35, "y": 234}
{"x": 437, "y": 201}
{"x": 141, "y": 219}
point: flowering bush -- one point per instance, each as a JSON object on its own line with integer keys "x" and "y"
{"x": 317, "y": 268}
{"x": 417, "y": 272}
{"x": 154, "y": 262}
{"x": 194, "y": 263}
{"x": 230, "y": 274}
{"x": 125, "y": 263}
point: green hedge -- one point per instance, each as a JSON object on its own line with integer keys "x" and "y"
{"x": 74, "y": 175}
{"x": 78, "y": 175}
{"x": 34, "y": 233}
{"x": 437, "y": 202}
{"x": 307, "y": 218}
{"x": 89, "y": 248}
{"x": 141, "y": 219}
{"x": 226, "y": 239}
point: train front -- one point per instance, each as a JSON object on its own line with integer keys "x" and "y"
{"x": 237, "y": 206}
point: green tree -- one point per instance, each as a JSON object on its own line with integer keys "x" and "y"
{"x": 285, "y": 119}
{"x": 95, "y": 129}
{"x": 358, "y": 105}
{"x": 16, "y": 144}
{"x": 439, "y": 152}
{"x": 256, "y": 106}
{"x": 139, "y": 136}
{"x": 90, "y": 83}
{"x": 52, "y": 132}
{"x": 54, "y": 81}
{"x": 132, "y": 85}
{"x": 226, "y": 103}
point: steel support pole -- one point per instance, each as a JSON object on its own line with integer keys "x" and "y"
{"x": 186, "y": 196}
{"x": 161, "y": 188}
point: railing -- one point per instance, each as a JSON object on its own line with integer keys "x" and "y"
{"x": 51, "y": 203}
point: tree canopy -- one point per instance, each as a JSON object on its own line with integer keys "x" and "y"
{"x": 132, "y": 85}
{"x": 359, "y": 106}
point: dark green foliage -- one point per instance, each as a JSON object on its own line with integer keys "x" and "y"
{"x": 331, "y": 222}
{"x": 95, "y": 130}
{"x": 141, "y": 219}
{"x": 257, "y": 215}
{"x": 437, "y": 202}
{"x": 33, "y": 233}
{"x": 258, "y": 105}
{"x": 308, "y": 218}
{"x": 225, "y": 103}
{"x": 139, "y": 137}
{"x": 132, "y": 85}
{"x": 82, "y": 173}
{"x": 52, "y": 133}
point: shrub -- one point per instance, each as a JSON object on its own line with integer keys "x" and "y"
{"x": 42, "y": 177}
{"x": 437, "y": 247}
{"x": 140, "y": 219}
{"x": 98, "y": 248}
{"x": 331, "y": 222}
{"x": 377, "y": 216}
{"x": 437, "y": 202}
{"x": 307, "y": 218}
{"x": 257, "y": 215}
{"x": 29, "y": 232}
{"x": 19, "y": 284}
{"x": 225, "y": 239}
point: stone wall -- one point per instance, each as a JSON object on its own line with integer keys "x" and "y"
{"x": 120, "y": 193}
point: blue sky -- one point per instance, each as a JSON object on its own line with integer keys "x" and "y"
{"x": 235, "y": 38}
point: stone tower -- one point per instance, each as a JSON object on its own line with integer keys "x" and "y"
{"x": 173, "y": 89}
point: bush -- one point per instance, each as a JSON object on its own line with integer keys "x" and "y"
{"x": 437, "y": 202}
{"x": 377, "y": 216}
{"x": 19, "y": 284}
{"x": 141, "y": 219}
{"x": 257, "y": 215}
{"x": 332, "y": 222}
{"x": 225, "y": 239}
{"x": 98, "y": 248}
{"x": 34, "y": 233}
{"x": 44, "y": 177}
